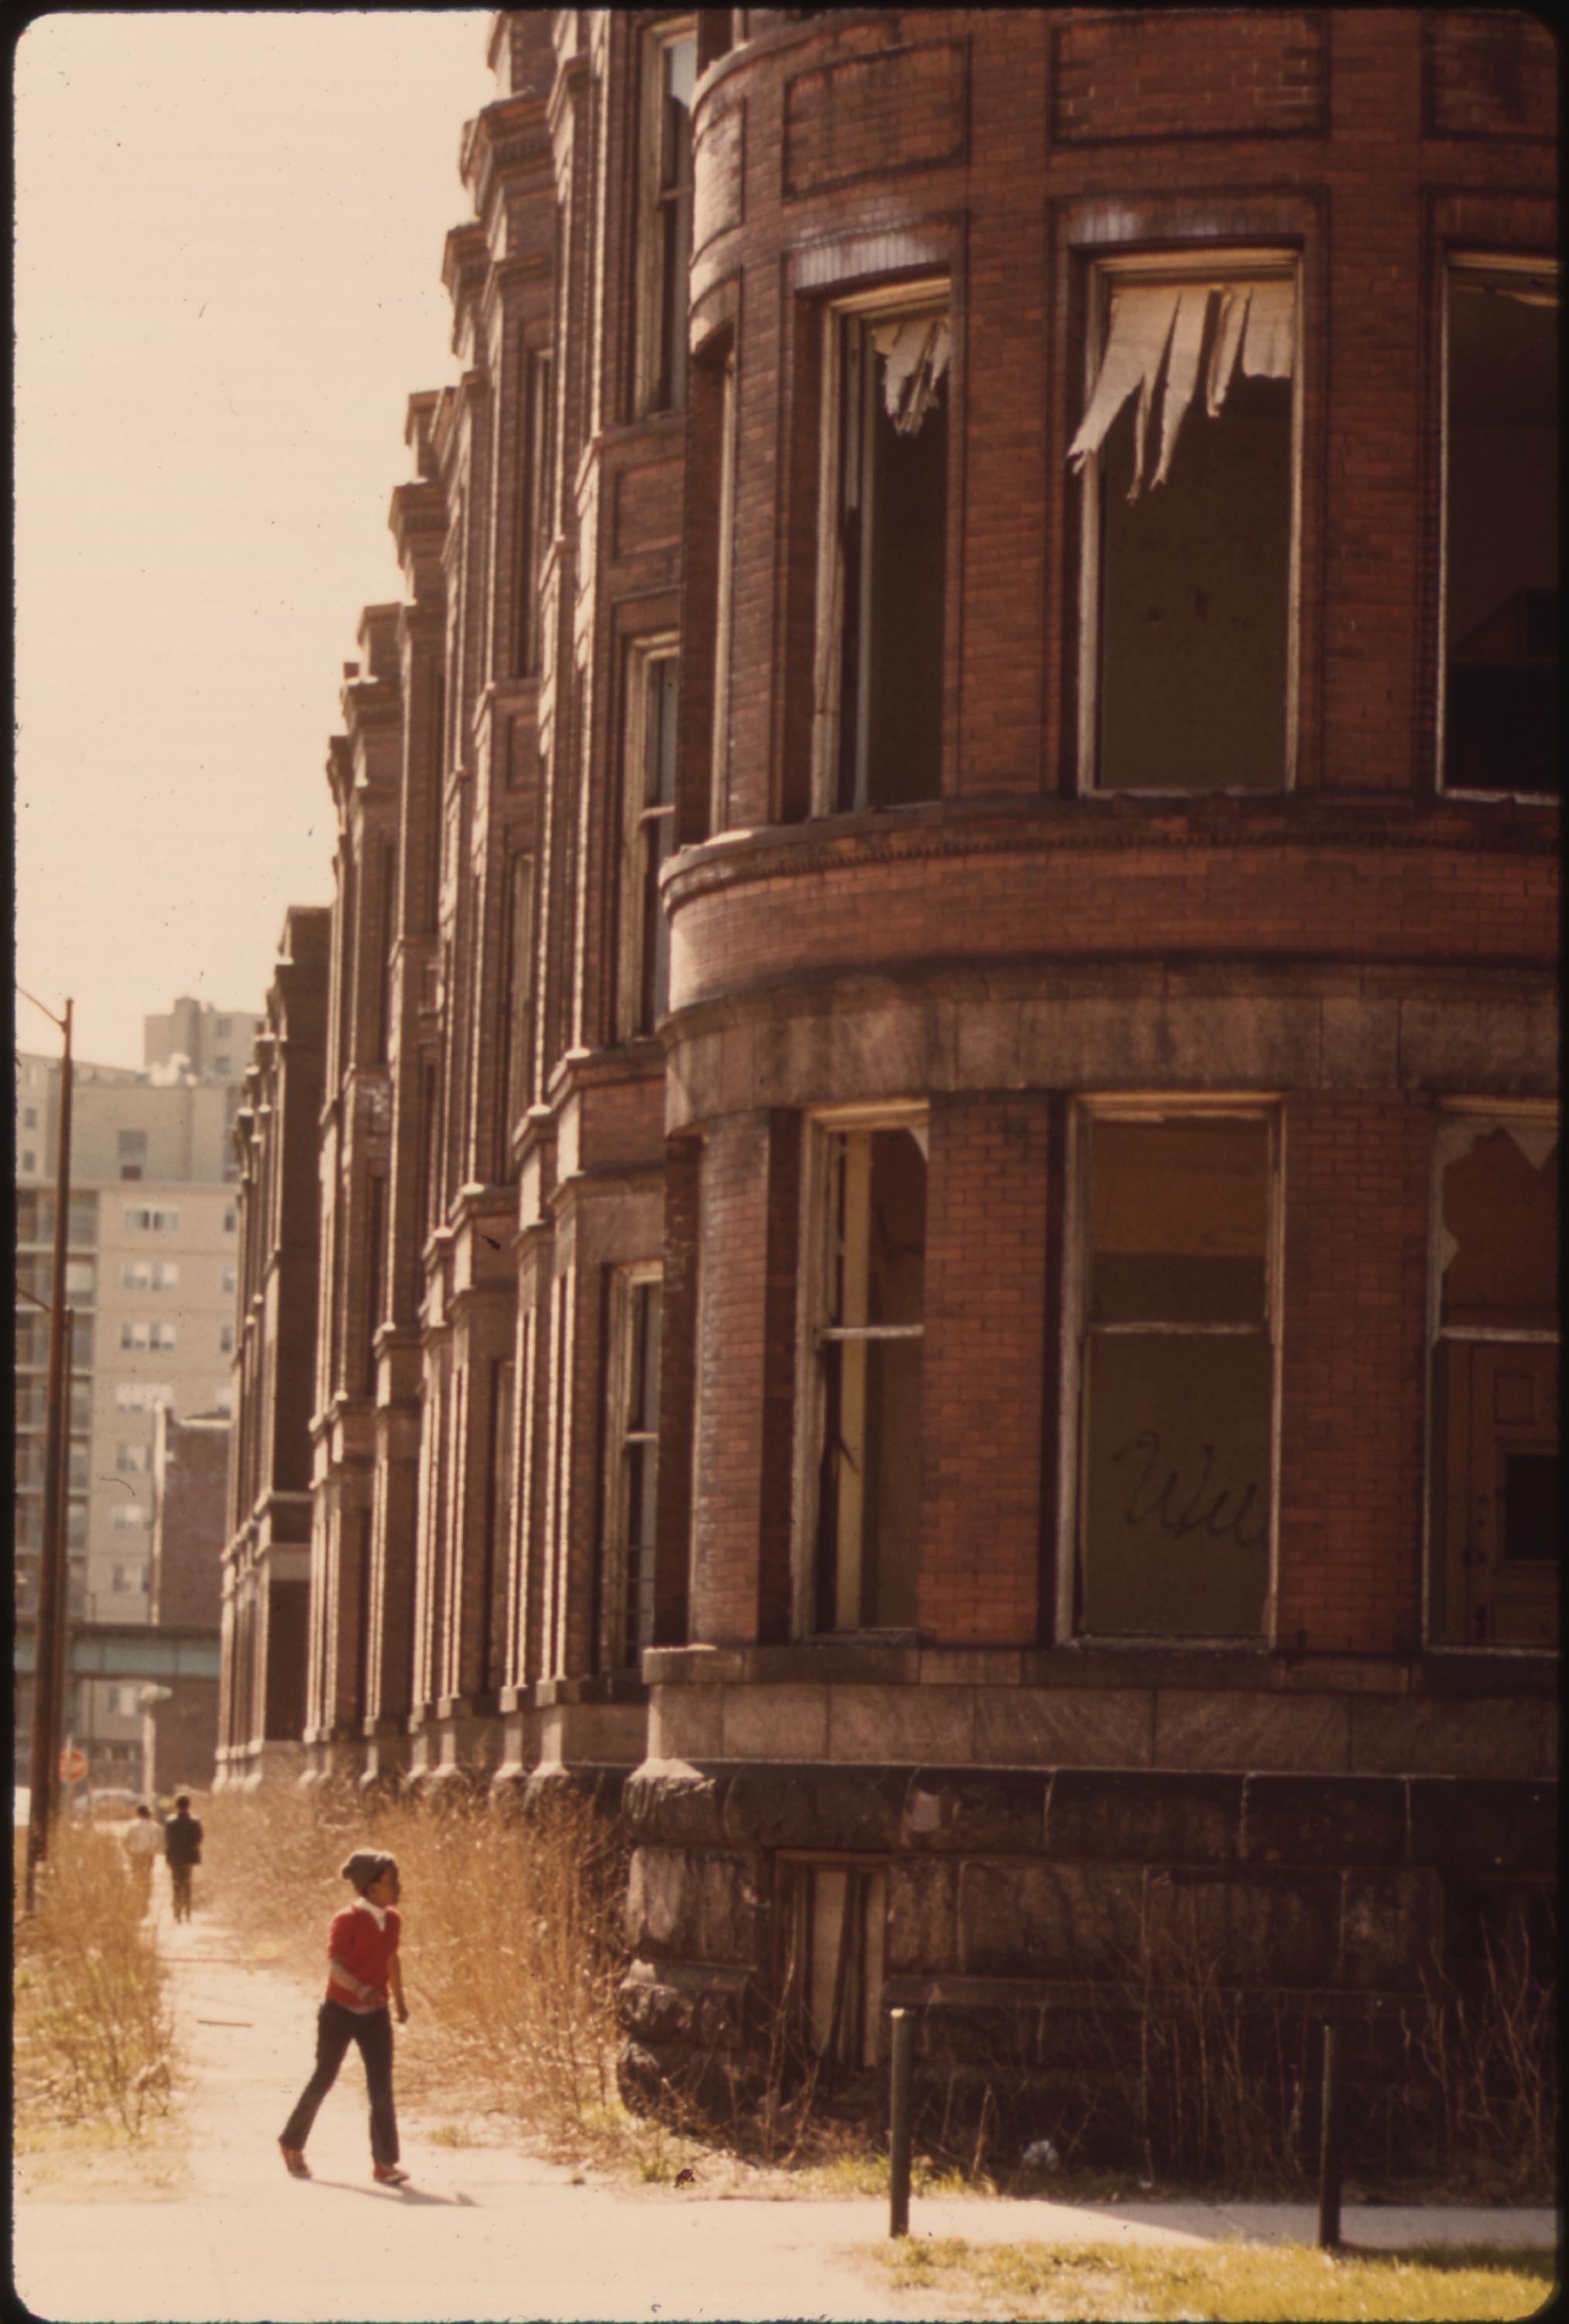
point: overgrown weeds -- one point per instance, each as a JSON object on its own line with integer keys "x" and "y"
{"x": 94, "y": 2038}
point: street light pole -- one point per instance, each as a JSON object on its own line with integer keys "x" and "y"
{"x": 49, "y": 1678}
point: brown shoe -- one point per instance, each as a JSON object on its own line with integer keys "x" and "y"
{"x": 388, "y": 2175}
{"x": 294, "y": 2162}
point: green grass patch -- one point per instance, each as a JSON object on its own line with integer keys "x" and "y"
{"x": 1281, "y": 2284}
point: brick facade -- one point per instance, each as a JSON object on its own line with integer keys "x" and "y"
{"x": 1007, "y": 1159}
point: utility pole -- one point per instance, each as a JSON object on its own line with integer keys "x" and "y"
{"x": 49, "y": 1657}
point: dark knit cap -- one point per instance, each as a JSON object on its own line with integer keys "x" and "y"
{"x": 366, "y": 1865}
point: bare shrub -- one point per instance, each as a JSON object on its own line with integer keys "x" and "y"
{"x": 1482, "y": 2056}
{"x": 93, "y": 2034}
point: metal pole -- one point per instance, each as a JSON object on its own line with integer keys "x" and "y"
{"x": 1329, "y": 2146}
{"x": 903, "y": 2029}
{"x": 48, "y": 1659}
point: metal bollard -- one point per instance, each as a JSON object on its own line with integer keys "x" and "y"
{"x": 901, "y": 2031}
{"x": 1329, "y": 2146}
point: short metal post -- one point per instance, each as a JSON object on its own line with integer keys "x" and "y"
{"x": 903, "y": 2033}
{"x": 1329, "y": 2146}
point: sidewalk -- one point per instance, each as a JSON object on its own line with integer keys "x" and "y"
{"x": 487, "y": 2233}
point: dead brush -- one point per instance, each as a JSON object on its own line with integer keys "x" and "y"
{"x": 93, "y": 2034}
{"x": 1482, "y": 2055}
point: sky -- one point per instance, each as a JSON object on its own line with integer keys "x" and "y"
{"x": 229, "y": 238}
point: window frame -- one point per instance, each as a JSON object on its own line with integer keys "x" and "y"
{"x": 1228, "y": 263}
{"x": 822, "y": 1124}
{"x": 1478, "y": 260}
{"x": 1073, "y": 1513}
{"x": 1486, "y": 1115}
{"x": 928, "y": 294}
{"x": 659, "y": 379}
{"x": 636, "y": 1012}
{"x": 615, "y": 1613}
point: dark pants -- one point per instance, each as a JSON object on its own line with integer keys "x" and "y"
{"x": 336, "y": 2028}
{"x": 179, "y": 1883}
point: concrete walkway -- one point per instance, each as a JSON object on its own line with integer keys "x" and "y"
{"x": 486, "y": 2233}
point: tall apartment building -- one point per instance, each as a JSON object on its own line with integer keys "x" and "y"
{"x": 152, "y": 1279}
{"x": 938, "y": 1181}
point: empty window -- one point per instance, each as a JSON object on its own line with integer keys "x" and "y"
{"x": 883, "y": 535}
{"x": 159, "y": 1221}
{"x": 1501, "y": 528}
{"x": 866, "y": 1315}
{"x": 1187, "y": 663}
{"x": 648, "y": 837}
{"x": 138, "y": 1334}
{"x": 631, "y": 1468}
{"x": 1177, "y": 1376}
{"x": 1494, "y": 1524}
{"x": 665, "y": 253}
{"x": 150, "y": 1275}
{"x": 830, "y": 1921}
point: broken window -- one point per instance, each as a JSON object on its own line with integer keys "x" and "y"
{"x": 665, "y": 255}
{"x": 1177, "y": 1376}
{"x": 883, "y": 531}
{"x": 829, "y": 1946}
{"x": 869, "y": 1312}
{"x": 631, "y": 1469}
{"x": 1494, "y": 1523}
{"x": 1187, "y": 667}
{"x": 649, "y": 793}
{"x": 1501, "y": 528}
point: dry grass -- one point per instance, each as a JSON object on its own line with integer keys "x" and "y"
{"x": 1287, "y": 2283}
{"x": 511, "y": 1940}
{"x": 94, "y": 2038}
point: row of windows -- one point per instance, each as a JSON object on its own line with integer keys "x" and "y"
{"x": 1171, "y": 1391}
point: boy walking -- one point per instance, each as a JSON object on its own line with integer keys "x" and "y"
{"x": 182, "y": 1845}
{"x": 142, "y": 1841}
{"x": 361, "y": 1969}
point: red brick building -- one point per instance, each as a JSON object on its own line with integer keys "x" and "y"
{"x": 940, "y": 1184}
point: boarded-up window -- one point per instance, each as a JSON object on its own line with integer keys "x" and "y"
{"x": 1177, "y": 1377}
{"x": 1500, "y": 566}
{"x": 1495, "y": 1524}
{"x": 878, "y": 694}
{"x": 868, "y": 1340}
{"x": 664, "y": 243}
{"x": 830, "y": 1941}
{"x": 1186, "y": 670}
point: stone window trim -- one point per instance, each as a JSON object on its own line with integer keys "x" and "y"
{"x": 1518, "y": 278}
{"x": 1226, "y": 328}
{"x": 815, "y": 1332}
{"x": 1534, "y": 1128}
{"x": 1187, "y": 1107}
{"x": 926, "y": 302}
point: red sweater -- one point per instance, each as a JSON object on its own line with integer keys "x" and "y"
{"x": 366, "y": 1952}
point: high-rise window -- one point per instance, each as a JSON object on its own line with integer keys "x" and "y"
{"x": 648, "y": 832}
{"x": 861, "y": 1400}
{"x": 1501, "y": 528}
{"x": 1494, "y": 1524}
{"x": 1177, "y": 1374}
{"x": 664, "y": 241}
{"x": 878, "y": 691}
{"x": 1187, "y": 644}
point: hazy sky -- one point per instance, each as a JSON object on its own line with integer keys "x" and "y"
{"x": 228, "y": 282}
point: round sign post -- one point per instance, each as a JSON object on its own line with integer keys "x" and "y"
{"x": 73, "y": 1764}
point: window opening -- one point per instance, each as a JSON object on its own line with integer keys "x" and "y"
{"x": 867, "y": 1348}
{"x": 1177, "y": 1379}
{"x": 632, "y": 1432}
{"x": 882, "y": 574}
{"x": 538, "y": 520}
{"x": 670, "y": 69}
{"x": 648, "y": 840}
{"x": 1501, "y": 529}
{"x": 830, "y": 1963}
{"x": 1495, "y": 1491}
{"x": 1186, "y": 674}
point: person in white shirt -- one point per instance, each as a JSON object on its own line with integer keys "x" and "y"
{"x": 142, "y": 1841}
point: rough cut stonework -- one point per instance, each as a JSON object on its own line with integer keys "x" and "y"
{"x": 934, "y": 1199}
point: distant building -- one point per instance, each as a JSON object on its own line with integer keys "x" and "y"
{"x": 152, "y": 1282}
{"x": 938, "y": 1189}
{"x": 190, "y": 1488}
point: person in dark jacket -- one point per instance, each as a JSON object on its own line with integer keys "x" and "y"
{"x": 182, "y": 1845}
